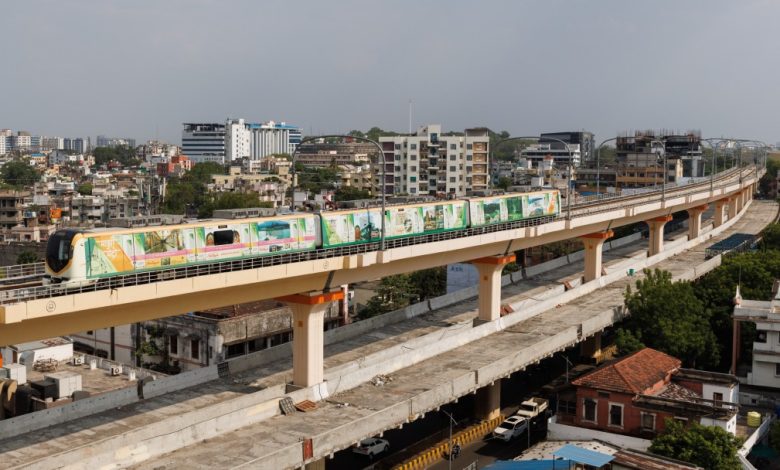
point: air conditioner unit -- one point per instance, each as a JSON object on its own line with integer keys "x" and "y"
{"x": 116, "y": 370}
{"x": 78, "y": 360}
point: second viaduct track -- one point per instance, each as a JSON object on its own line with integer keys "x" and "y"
{"x": 37, "y": 312}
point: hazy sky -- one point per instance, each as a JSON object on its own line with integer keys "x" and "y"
{"x": 140, "y": 68}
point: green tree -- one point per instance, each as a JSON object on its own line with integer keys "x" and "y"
{"x": 229, "y": 200}
{"x": 85, "y": 189}
{"x": 667, "y": 316}
{"x": 350, "y": 193}
{"x": 504, "y": 183}
{"x": 393, "y": 292}
{"x": 428, "y": 283}
{"x": 774, "y": 436}
{"x": 126, "y": 156}
{"x": 710, "y": 447}
{"x": 770, "y": 237}
{"x": 201, "y": 172}
{"x": 26, "y": 257}
{"x": 19, "y": 174}
{"x": 627, "y": 342}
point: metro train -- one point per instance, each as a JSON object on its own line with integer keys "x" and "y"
{"x": 79, "y": 257}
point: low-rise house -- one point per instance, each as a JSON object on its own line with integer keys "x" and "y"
{"x": 634, "y": 396}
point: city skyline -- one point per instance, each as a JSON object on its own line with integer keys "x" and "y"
{"x": 523, "y": 67}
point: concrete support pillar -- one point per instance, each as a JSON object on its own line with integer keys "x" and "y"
{"x": 316, "y": 465}
{"x": 488, "y": 402}
{"x": 489, "y": 270}
{"x": 308, "y": 325}
{"x": 733, "y": 207}
{"x": 594, "y": 243}
{"x": 720, "y": 212}
{"x": 694, "y": 221}
{"x": 591, "y": 347}
{"x": 656, "y": 242}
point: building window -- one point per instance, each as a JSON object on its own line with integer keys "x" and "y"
{"x": 453, "y": 147}
{"x": 414, "y": 168}
{"x": 173, "y": 344}
{"x": 452, "y": 179}
{"x": 616, "y": 415}
{"x": 469, "y": 157}
{"x": 413, "y": 157}
{"x": 567, "y": 407}
{"x": 777, "y": 369}
{"x": 413, "y": 146}
{"x": 452, "y": 157}
{"x": 648, "y": 422}
{"x": 469, "y": 146}
{"x": 760, "y": 336}
{"x": 398, "y": 146}
{"x": 397, "y": 157}
{"x": 413, "y": 179}
{"x": 717, "y": 396}
{"x": 589, "y": 410}
{"x": 452, "y": 169}
{"x": 195, "y": 348}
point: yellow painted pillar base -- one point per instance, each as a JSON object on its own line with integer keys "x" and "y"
{"x": 591, "y": 347}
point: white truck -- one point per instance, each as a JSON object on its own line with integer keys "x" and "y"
{"x": 532, "y": 407}
{"x": 510, "y": 428}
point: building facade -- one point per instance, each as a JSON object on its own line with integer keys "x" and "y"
{"x": 259, "y": 140}
{"x": 103, "y": 141}
{"x": 204, "y": 142}
{"x": 765, "y": 366}
{"x": 636, "y": 394}
{"x": 431, "y": 163}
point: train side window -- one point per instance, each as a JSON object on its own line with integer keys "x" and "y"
{"x": 223, "y": 237}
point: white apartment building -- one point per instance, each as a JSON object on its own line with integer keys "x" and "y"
{"x": 237, "y": 138}
{"x": 203, "y": 142}
{"x": 430, "y": 163}
{"x": 3, "y": 146}
{"x": 258, "y": 140}
{"x": 765, "y": 370}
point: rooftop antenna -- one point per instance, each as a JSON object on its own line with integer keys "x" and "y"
{"x": 410, "y": 117}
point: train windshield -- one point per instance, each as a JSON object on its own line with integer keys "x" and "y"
{"x": 59, "y": 250}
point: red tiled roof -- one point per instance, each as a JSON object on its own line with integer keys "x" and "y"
{"x": 632, "y": 374}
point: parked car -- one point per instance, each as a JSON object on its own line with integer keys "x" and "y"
{"x": 371, "y": 447}
{"x": 510, "y": 428}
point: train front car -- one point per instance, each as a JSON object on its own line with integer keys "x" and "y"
{"x": 65, "y": 261}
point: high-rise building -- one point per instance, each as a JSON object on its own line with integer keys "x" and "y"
{"x": 258, "y": 140}
{"x": 103, "y": 141}
{"x": 237, "y": 138}
{"x": 52, "y": 143}
{"x": 77, "y": 144}
{"x": 22, "y": 140}
{"x": 203, "y": 142}
{"x": 430, "y": 163}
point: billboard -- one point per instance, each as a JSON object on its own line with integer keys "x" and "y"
{"x": 348, "y": 228}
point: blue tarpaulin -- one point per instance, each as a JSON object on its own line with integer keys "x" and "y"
{"x": 583, "y": 456}
{"x": 530, "y": 465}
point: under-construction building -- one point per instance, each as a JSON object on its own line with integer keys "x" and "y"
{"x": 684, "y": 147}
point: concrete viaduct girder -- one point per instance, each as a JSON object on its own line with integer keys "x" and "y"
{"x": 41, "y": 318}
